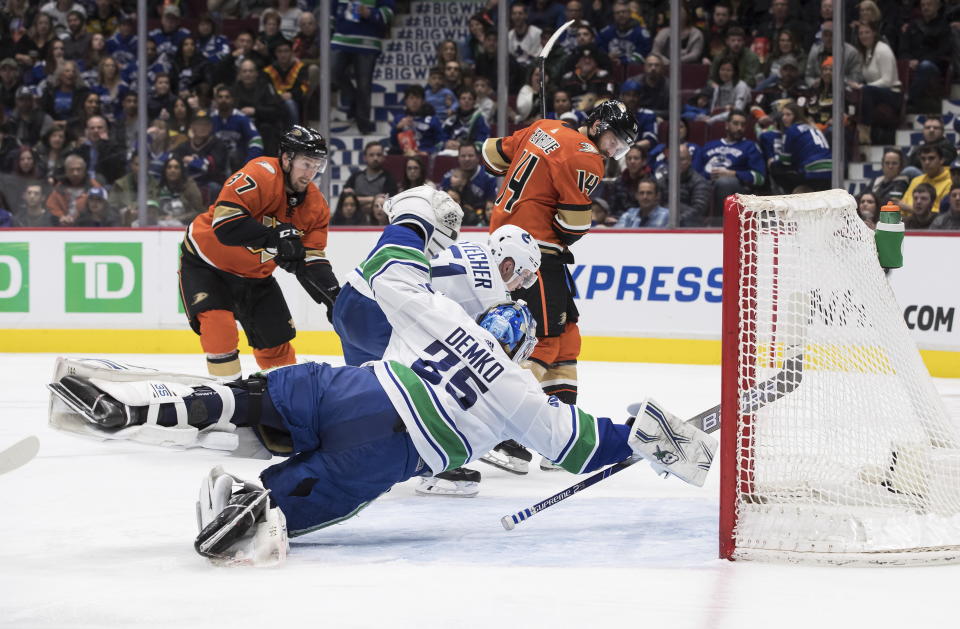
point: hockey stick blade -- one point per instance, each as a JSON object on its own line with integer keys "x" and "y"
{"x": 785, "y": 381}
{"x": 19, "y": 454}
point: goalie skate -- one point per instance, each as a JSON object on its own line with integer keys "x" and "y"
{"x": 669, "y": 445}
{"x": 509, "y": 456}
{"x": 459, "y": 483}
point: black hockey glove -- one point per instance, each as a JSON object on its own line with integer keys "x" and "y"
{"x": 290, "y": 250}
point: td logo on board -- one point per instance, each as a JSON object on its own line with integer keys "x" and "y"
{"x": 14, "y": 277}
{"x": 103, "y": 277}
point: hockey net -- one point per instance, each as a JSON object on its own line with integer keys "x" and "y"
{"x": 859, "y": 462}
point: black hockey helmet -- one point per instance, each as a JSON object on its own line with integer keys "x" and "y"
{"x": 615, "y": 117}
{"x": 300, "y": 140}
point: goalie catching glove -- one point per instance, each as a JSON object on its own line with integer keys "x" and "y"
{"x": 237, "y": 524}
{"x": 668, "y": 444}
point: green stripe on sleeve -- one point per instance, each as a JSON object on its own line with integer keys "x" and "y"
{"x": 441, "y": 432}
{"x": 585, "y": 445}
{"x": 382, "y": 256}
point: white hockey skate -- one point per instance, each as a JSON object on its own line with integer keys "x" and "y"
{"x": 459, "y": 483}
{"x": 670, "y": 445}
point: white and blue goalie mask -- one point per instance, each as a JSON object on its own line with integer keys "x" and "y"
{"x": 513, "y": 326}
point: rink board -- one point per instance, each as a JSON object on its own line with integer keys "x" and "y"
{"x": 650, "y": 296}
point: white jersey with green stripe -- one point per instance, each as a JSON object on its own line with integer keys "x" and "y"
{"x": 458, "y": 393}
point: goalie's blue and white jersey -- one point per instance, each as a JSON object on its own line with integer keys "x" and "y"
{"x": 458, "y": 393}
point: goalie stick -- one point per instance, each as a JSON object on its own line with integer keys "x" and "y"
{"x": 18, "y": 454}
{"x": 752, "y": 400}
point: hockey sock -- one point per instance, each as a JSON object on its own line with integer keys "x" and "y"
{"x": 561, "y": 380}
{"x": 219, "y": 339}
{"x": 275, "y": 356}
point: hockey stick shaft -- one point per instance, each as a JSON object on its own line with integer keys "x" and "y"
{"x": 542, "y": 60}
{"x": 18, "y": 454}
{"x": 768, "y": 391}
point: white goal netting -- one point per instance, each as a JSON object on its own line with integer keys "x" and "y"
{"x": 858, "y": 461}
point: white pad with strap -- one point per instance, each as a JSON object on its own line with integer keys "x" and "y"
{"x": 434, "y": 211}
{"x": 141, "y": 386}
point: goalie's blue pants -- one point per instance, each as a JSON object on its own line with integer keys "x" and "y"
{"x": 361, "y": 325}
{"x": 351, "y": 444}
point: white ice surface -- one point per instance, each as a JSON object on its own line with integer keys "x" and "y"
{"x": 100, "y": 535}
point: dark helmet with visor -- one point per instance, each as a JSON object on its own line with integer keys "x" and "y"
{"x": 616, "y": 118}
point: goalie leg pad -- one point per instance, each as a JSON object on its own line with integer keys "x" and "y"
{"x": 670, "y": 445}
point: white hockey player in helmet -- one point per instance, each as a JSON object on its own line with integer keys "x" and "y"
{"x": 517, "y": 256}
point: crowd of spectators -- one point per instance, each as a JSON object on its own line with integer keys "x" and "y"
{"x": 225, "y": 77}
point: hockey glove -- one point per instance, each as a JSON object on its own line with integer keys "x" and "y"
{"x": 290, "y": 250}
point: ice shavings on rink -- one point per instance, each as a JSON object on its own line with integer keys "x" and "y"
{"x": 98, "y": 534}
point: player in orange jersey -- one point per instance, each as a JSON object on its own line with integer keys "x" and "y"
{"x": 268, "y": 214}
{"x": 550, "y": 170}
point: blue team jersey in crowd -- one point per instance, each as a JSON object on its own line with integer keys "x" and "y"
{"x": 215, "y": 48}
{"x": 647, "y": 122}
{"x": 806, "y": 149}
{"x": 630, "y": 46}
{"x": 426, "y": 128}
{"x": 122, "y": 49}
{"x": 743, "y": 157}
{"x": 658, "y": 157}
{"x": 483, "y": 183}
{"x": 238, "y": 132}
{"x": 169, "y": 43}
{"x": 357, "y": 34}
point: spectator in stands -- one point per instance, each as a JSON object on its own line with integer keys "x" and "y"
{"x": 730, "y": 92}
{"x": 735, "y": 48}
{"x": 18, "y": 15}
{"x": 447, "y": 51}
{"x": 77, "y": 125}
{"x": 58, "y": 10}
{"x": 626, "y": 41}
{"x": 437, "y": 94}
{"x": 523, "y": 40}
{"x": 372, "y": 180}
{"x": 106, "y": 159}
{"x": 545, "y": 13}
{"x": 289, "y": 14}
{"x": 127, "y": 124}
{"x": 777, "y": 22}
{"x": 162, "y": 141}
{"x": 26, "y": 171}
{"x": 161, "y": 96}
{"x": 477, "y": 27}
{"x": 868, "y": 207}
{"x": 290, "y": 79}
{"x": 44, "y": 70}
{"x": 819, "y": 107}
{"x": 892, "y": 182}
{"x": 257, "y": 99}
{"x": 227, "y": 71}
{"x": 64, "y": 93}
{"x": 104, "y": 18}
{"x": 123, "y": 193}
{"x": 122, "y": 45}
{"x": 934, "y": 173}
{"x": 926, "y": 42}
{"x": 458, "y": 186}
{"x": 357, "y": 41}
{"x": 588, "y": 81}
{"x": 648, "y": 212}
{"x": 204, "y": 156}
{"x": 453, "y": 75}
{"x": 888, "y": 21}
{"x": 694, "y": 192}
{"x": 651, "y": 86}
{"x": 486, "y": 64}
{"x": 170, "y": 34}
{"x": 32, "y": 212}
{"x": 822, "y": 50}
{"x": 348, "y": 210}
{"x": 377, "y": 214}
{"x": 306, "y": 43}
{"x": 716, "y": 32}
{"x": 921, "y": 211}
{"x": 563, "y": 109}
{"x": 97, "y": 212}
{"x": 600, "y": 214}
{"x": 177, "y": 195}
{"x": 691, "y": 40}
{"x": 52, "y": 153}
{"x": 28, "y": 123}
{"x": 949, "y": 218}
{"x": 179, "y": 116}
{"x": 235, "y": 129}
{"x": 69, "y": 196}
{"x": 528, "y": 98}
{"x": 485, "y": 96}
{"x": 881, "y": 81}
{"x": 414, "y": 174}
{"x": 733, "y": 163}
{"x": 10, "y": 82}
{"x": 270, "y": 34}
{"x": 76, "y": 39}
{"x": 787, "y": 84}
{"x": 157, "y": 64}
{"x": 933, "y": 135}
{"x": 483, "y": 186}
{"x": 189, "y": 73}
{"x": 35, "y": 44}
{"x": 787, "y": 47}
{"x": 621, "y": 194}
{"x": 110, "y": 88}
{"x": 416, "y": 129}
{"x": 804, "y": 158}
